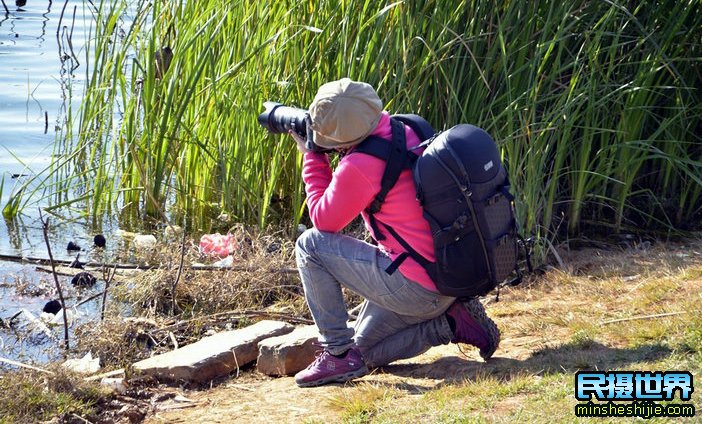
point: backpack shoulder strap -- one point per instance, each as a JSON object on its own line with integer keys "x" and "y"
{"x": 396, "y": 160}
{"x": 419, "y": 125}
{"x": 375, "y": 146}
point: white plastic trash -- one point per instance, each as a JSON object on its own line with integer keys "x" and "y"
{"x": 85, "y": 365}
{"x": 144, "y": 241}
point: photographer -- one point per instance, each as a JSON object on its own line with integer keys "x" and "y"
{"x": 403, "y": 314}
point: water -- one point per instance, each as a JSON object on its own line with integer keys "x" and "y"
{"x": 42, "y": 66}
{"x": 39, "y": 72}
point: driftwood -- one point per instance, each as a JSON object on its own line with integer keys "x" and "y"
{"x": 194, "y": 267}
{"x": 20, "y": 364}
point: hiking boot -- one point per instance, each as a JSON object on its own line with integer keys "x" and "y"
{"x": 474, "y": 327}
{"x": 328, "y": 368}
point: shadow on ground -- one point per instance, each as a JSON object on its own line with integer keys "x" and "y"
{"x": 566, "y": 358}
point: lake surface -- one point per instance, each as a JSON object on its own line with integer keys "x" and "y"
{"x": 39, "y": 72}
{"x": 42, "y": 65}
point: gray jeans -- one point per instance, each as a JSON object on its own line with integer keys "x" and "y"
{"x": 399, "y": 318}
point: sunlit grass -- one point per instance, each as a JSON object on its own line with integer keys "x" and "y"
{"x": 562, "y": 323}
{"x": 32, "y": 397}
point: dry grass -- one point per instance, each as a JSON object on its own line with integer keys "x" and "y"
{"x": 262, "y": 281}
{"x": 554, "y": 325}
{"x": 29, "y": 396}
{"x": 263, "y": 273}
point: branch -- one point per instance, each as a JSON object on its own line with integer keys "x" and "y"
{"x": 45, "y": 228}
{"x": 180, "y": 272}
{"x": 667, "y": 314}
{"x": 20, "y": 364}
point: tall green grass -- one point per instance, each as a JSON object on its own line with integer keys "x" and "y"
{"x": 596, "y": 104}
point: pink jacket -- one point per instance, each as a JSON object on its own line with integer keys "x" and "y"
{"x": 335, "y": 199}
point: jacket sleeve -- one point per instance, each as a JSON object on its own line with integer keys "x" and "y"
{"x": 334, "y": 199}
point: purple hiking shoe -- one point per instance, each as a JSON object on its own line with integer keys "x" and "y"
{"x": 328, "y": 368}
{"x": 474, "y": 327}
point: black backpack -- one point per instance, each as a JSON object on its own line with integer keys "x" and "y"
{"x": 463, "y": 188}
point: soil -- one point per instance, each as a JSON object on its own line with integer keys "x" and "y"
{"x": 254, "y": 398}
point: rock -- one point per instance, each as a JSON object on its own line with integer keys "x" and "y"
{"x": 52, "y": 307}
{"x": 213, "y": 356}
{"x": 144, "y": 241}
{"x": 83, "y": 279}
{"x": 99, "y": 240}
{"x": 172, "y": 232}
{"x": 72, "y": 246}
{"x": 289, "y": 353}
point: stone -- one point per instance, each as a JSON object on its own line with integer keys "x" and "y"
{"x": 144, "y": 241}
{"x": 289, "y": 353}
{"x": 213, "y": 356}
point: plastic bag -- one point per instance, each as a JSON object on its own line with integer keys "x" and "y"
{"x": 218, "y": 245}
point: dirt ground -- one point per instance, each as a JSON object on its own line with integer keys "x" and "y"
{"x": 255, "y": 398}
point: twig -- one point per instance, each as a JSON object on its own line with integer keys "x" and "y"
{"x": 60, "y": 20}
{"x": 180, "y": 272}
{"x": 667, "y": 314}
{"x": 108, "y": 281}
{"x": 7, "y": 11}
{"x": 561, "y": 264}
{"x": 234, "y": 314}
{"x": 58, "y": 272}
{"x": 20, "y": 364}
{"x": 45, "y": 228}
{"x": 105, "y": 375}
{"x": 88, "y": 299}
{"x": 173, "y": 339}
{"x": 81, "y": 418}
{"x": 236, "y": 361}
{"x": 70, "y": 39}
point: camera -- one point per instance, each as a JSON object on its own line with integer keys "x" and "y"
{"x": 278, "y": 118}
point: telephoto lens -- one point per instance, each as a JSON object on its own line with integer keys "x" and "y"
{"x": 278, "y": 118}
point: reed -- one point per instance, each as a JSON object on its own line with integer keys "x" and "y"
{"x": 595, "y": 104}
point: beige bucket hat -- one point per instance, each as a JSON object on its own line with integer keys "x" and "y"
{"x": 344, "y": 112}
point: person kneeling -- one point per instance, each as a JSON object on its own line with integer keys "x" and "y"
{"x": 403, "y": 314}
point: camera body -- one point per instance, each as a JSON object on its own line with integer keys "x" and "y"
{"x": 278, "y": 118}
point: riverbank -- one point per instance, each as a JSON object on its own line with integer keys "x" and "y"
{"x": 634, "y": 308}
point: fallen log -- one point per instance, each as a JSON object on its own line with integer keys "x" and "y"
{"x": 193, "y": 267}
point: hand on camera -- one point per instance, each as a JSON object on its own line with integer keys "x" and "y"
{"x": 299, "y": 140}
